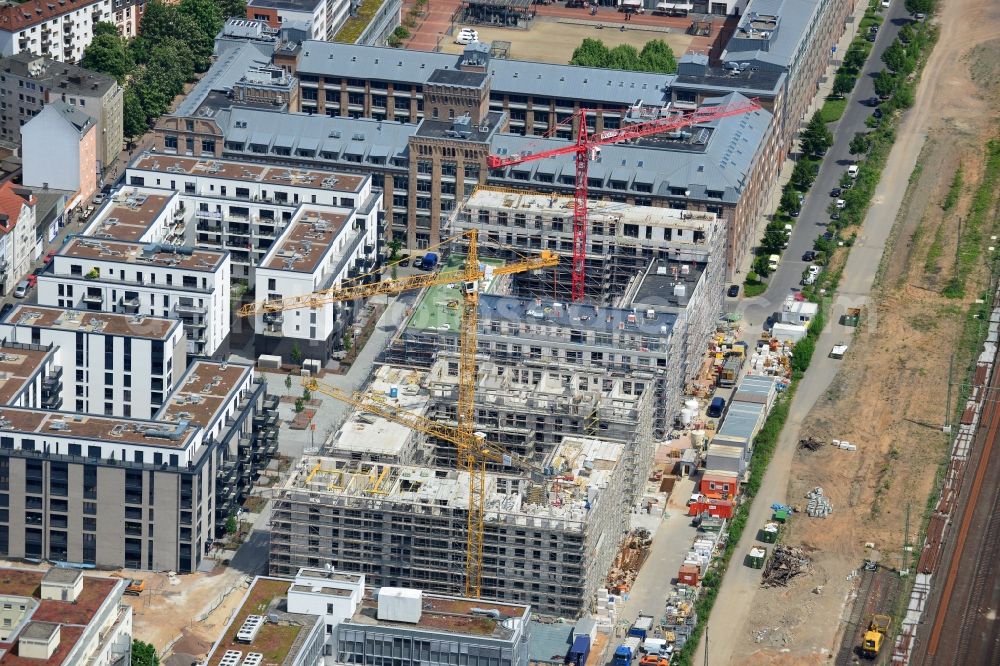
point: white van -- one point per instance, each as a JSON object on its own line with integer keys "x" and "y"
{"x": 772, "y": 262}
{"x": 852, "y": 171}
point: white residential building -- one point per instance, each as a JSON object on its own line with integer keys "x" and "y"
{"x": 323, "y": 17}
{"x": 155, "y": 279}
{"x": 59, "y": 29}
{"x": 318, "y": 250}
{"x": 111, "y": 364}
{"x": 243, "y": 207}
{"x": 18, "y": 241}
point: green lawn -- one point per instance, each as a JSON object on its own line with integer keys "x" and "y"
{"x": 833, "y": 109}
{"x": 751, "y": 289}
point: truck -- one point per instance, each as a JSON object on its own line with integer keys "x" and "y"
{"x": 626, "y": 652}
{"x": 578, "y": 653}
{"x": 642, "y": 627}
{"x": 428, "y": 262}
{"x": 875, "y": 636}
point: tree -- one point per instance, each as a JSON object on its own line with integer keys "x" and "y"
{"x": 105, "y": 28}
{"x": 761, "y": 267}
{"x": 297, "y": 355}
{"x": 299, "y": 405}
{"x": 206, "y": 14}
{"x": 306, "y": 395}
{"x": 623, "y": 56}
{"x": 288, "y": 381}
{"x": 657, "y": 56}
{"x": 133, "y": 116}
{"x": 236, "y": 8}
{"x": 885, "y": 84}
{"x": 144, "y": 654}
{"x": 109, "y": 54}
{"x": 816, "y": 138}
{"x": 803, "y": 175}
{"x": 789, "y": 201}
{"x": 920, "y": 6}
{"x": 907, "y": 33}
{"x": 855, "y": 58}
{"x": 894, "y": 57}
{"x": 843, "y": 83}
{"x": 590, "y": 53}
{"x": 395, "y": 245}
{"x": 773, "y": 241}
{"x": 860, "y": 144}
{"x": 231, "y": 524}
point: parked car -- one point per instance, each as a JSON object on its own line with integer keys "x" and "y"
{"x": 404, "y": 262}
{"x": 808, "y": 255}
{"x": 919, "y": 16}
{"x": 813, "y": 269}
{"x": 733, "y": 291}
{"x": 715, "y": 409}
{"x": 22, "y": 288}
{"x": 466, "y": 36}
{"x": 871, "y": 37}
{"x": 808, "y": 280}
{"x": 836, "y": 192}
{"x": 885, "y": 4}
{"x": 48, "y": 257}
{"x": 772, "y": 262}
{"x": 840, "y": 204}
{"x": 98, "y": 199}
{"x": 871, "y": 101}
{"x": 877, "y": 114}
{"x": 852, "y": 171}
{"x": 7, "y": 307}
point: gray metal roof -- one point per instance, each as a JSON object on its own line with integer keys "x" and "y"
{"x": 755, "y": 388}
{"x": 73, "y": 115}
{"x": 226, "y": 71}
{"x": 742, "y": 420}
{"x": 722, "y": 166}
{"x": 548, "y": 643}
{"x": 521, "y": 77}
{"x": 783, "y": 45}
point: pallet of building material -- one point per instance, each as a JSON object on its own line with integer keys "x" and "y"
{"x": 784, "y": 564}
{"x": 819, "y": 505}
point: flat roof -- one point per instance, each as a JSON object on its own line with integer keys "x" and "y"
{"x": 250, "y": 172}
{"x": 128, "y": 215}
{"x": 153, "y": 254}
{"x": 661, "y": 284}
{"x": 106, "y": 430}
{"x": 72, "y": 616}
{"x": 597, "y": 210}
{"x": 306, "y": 241}
{"x": 18, "y": 364}
{"x": 445, "y": 614}
{"x": 440, "y": 306}
{"x": 742, "y": 420}
{"x": 205, "y": 389}
{"x": 91, "y": 321}
{"x": 276, "y": 642}
{"x": 367, "y": 433}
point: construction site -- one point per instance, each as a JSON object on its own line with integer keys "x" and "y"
{"x": 550, "y": 538}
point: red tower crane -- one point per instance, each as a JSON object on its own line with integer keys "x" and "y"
{"x": 584, "y": 150}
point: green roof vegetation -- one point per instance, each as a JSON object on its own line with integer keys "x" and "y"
{"x": 356, "y": 24}
{"x": 440, "y": 308}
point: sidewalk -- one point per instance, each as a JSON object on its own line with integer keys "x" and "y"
{"x": 825, "y": 88}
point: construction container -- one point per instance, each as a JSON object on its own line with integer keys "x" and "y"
{"x": 756, "y": 556}
{"x": 781, "y": 516}
{"x": 768, "y": 533}
{"x": 852, "y": 317}
{"x": 688, "y": 575}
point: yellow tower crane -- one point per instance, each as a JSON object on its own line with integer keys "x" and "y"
{"x": 473, "y": 452}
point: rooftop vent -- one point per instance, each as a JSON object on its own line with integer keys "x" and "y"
{"x": 251, "y": 627}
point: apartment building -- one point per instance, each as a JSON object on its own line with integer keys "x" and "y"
{"x": 29, "y": 82}
{"x": 59, "y": 29}
{"x": 91, "y": 489}
{"x": 59, "y": 149}
{"x": 18, "y": 242}
{"x": 128, "y": 16}
{"x": 318, "y": 250}
{"x": 548, "y": 543}
{"x": 244, "y": 207}
{"x": 60, "y": 616}
{"x": 123, "y": 365}
{"x": 32, "y": 375}
{"x": 323, "y": 17}
{"x": 154, "y": 279}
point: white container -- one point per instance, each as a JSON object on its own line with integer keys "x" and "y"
{"x": 686, "y": 416}
{"x": 692, "y": 404}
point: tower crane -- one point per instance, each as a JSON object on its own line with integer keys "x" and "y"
{"x": 473, "y": 452}
{"x": 585, "y": 149}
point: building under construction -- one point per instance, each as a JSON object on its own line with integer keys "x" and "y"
{"x": 549, "y": 540}
{"x": 623, "y": 240}
{"x": 528, "y": 407}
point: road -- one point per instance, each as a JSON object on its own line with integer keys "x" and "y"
{"x": 735, "y": 600}
{"x": 813, "y": 217}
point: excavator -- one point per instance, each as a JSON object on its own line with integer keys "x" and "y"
{"x": 875, "y": 636}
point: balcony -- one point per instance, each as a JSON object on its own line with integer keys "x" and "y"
{"x": 97, "y": 299}
{"x": 53, "y": 377}
{"x": 129, "y": 303}
{"x": 274, "y": 317}
{"x": 197, "y": 326}
{"x": 189, "y": 309}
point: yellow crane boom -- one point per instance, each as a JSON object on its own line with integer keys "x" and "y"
{"x": 472, "y": 452}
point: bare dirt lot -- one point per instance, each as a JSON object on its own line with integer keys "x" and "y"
{"x": 550, "y": 41}
{"x": 890, "y": 395}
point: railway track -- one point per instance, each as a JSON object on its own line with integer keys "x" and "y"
{"x": 984, "y": 573}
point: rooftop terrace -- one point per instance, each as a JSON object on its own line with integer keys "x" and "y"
{"x": 91, "y": 321}
{"x": 250, "y": 172}
{"x": 447, "y": 614}
{"x": 18, "y": 364}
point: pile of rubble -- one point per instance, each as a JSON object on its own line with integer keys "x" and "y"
{"x": 810, "y": 443}
{"x": 785, "y": 564}
{"x": 819, "y": 504}
{"x": 629, "y": 560}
